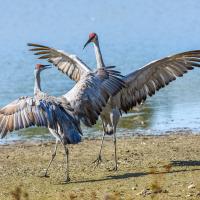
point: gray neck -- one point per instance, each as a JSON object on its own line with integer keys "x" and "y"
{"x": 37, "y": 87}
{"x": 99, "y": 58}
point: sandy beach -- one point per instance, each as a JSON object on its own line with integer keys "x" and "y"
{"x": 154, "y": 167}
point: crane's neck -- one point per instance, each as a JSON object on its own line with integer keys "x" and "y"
{"x": 37, "y": 86}
{"x": 99, "y": 59}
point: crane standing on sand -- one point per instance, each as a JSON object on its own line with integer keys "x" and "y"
{"x": 55, "y": 113}
{"x": 42, "y": 110}
{"x": 138, "y": 84}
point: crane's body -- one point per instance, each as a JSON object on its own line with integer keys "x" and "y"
{"x": 69, "y": 131}
{"x": 139, "y": 84}
{"x": 62, "y": 115}
{"x": 43, "y": 110}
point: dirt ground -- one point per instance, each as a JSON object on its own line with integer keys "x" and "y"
{"x": 150, "y": 167}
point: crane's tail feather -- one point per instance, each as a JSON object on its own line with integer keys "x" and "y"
{"x": 109, "y": 130}
{"x": 72, "y": 137}
{"x": 70, "y": 127}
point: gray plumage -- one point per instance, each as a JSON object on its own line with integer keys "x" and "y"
{"x": 69, "y": 64}
{"x": 92, "y": 90}
{"x": 139, "y": 84}
{"x": 62, "y": 115}
{"x": 46, "y": 111}
{"x": 39, "y": 110}
{"x": 91, "y": 93}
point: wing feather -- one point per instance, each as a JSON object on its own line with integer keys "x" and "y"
{"x": 70, "y": 65}
{"x": 153, "y": 76}
{"x": 91, "y": 94}
{"x": 21, "y": 114}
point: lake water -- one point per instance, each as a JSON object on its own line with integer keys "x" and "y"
{"x": 131, "y": 34}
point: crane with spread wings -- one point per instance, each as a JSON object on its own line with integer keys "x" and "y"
{"x": 139, "y": 84}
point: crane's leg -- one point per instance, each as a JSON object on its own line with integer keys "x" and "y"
{"x": 99, "y": 159}
{"x": 115, "y": 116}
{"x": 52, "y": 158}
{"x": 115, "y": 144}
{"x": 67, "y": 179}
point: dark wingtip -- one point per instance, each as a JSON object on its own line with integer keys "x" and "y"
{"x": 36, "y": 45}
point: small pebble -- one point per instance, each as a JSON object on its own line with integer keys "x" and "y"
{"x": 144, "y": 192}
{"x": 191, "y": 186}
{"x": 188, "y": 195}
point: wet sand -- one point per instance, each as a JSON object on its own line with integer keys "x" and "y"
{"x": 154, "y": 167}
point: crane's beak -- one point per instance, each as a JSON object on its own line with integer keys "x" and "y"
{"x": 90, "y": 40}
{"x": 46, "y": 67}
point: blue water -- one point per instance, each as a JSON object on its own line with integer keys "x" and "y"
{"x": 131, "y": 33}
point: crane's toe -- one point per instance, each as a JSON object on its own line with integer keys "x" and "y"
{"x": 44, "y": 175}
{"x": 97, "y": 161}
{"x": 67, "y": 180}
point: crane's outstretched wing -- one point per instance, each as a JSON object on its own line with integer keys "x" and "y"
{"x": 70, "y": 65}
{"x": 153, "y": 76}
{"x": 20, "y": 114}
{"x": 91, "y": 94}
{"x": 26, "y": 111}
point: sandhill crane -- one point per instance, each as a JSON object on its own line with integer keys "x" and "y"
{"x": 63, "y": 120}
{"x": 139, "y": 84}
{"x": 42, "y": 110}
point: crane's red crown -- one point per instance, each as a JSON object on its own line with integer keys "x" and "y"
{"x": 92, "y": 35}
{"x": 39, "y": 66}
{"x": 92, "y": 38}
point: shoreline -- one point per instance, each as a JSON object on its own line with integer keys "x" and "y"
{"x": 160, "y": 167}
{"x": 51, "y": 139}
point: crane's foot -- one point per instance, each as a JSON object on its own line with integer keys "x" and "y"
{"x": 115, "y": 168}
{"x": 67, "y": 180}
{"x": 97, "y": 161}
{"x": 44, "y": 175}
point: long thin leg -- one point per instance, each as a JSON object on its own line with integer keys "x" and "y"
{"x": 67, "y": 179}
{"x": 115, "y": 115}
{"x": 115, "y": 144}
{"x": 99, "y": 159}
{"x": 52, "y": 158}
{"x": 102, "y": 140}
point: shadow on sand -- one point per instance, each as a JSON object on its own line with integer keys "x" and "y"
{"x": 185, "y": 163}
{"x": 140, "y": 174}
